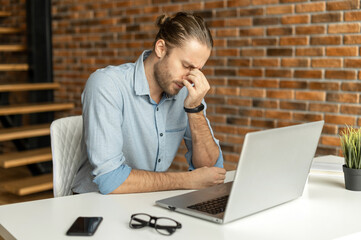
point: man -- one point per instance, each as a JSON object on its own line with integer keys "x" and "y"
{"x": 135, "y": 116}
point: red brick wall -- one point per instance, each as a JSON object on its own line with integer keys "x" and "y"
{"x": 275, "y": 62}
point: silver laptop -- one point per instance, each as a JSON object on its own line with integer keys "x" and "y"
{"x": 272, "y": 169}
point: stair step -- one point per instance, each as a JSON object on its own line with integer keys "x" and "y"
{"x": 34, "y": 108}
{"x": 16, "y": 159}
{"x": 29, "y": 185}
{"x": 9, "y": 30}
{"x": 7, "y": 134}
{"x": 12, "y": 48}
{"x": 18, "y": 87}
{"x": 4, "y": 14}
{"x": 14, "y": 67}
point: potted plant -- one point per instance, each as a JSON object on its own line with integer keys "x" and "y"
{"x": 351, "y": 150}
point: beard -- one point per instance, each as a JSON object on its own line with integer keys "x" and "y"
{"x": 162, "y": 76}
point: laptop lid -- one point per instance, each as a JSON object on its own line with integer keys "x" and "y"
{"x": 272, "y": 169}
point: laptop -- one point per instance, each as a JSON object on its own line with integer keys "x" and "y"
{"x": 273, "y": 168}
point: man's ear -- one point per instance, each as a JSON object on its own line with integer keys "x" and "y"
{"x": 160, "y": 48}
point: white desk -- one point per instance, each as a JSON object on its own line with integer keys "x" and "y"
{"x": 325, "y": 211}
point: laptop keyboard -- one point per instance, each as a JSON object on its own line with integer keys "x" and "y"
{"x": 213, "y": 206}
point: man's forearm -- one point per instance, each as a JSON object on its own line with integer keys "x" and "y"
{"x": 205, "y": 150}
{"x": 145, "y": 181}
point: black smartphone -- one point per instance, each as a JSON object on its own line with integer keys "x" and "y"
{"x": 84, "y": 226}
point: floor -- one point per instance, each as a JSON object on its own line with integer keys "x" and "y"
{"x": 14, "y": 173}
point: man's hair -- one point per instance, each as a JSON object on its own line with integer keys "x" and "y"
{"x": 181, "y": 27}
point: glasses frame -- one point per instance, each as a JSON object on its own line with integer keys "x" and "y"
{"x": 153, "y": 223}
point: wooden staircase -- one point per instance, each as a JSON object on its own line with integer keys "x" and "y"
{"x": 43, "y": 182}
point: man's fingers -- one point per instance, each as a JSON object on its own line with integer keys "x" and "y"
{"x": 220, "y": 170}
{"x": 209, "y": 176}
{"x": 199, "y": 77}
{"x": 196, "y": 72}
{"x": 188, "y": 85}
{"x": 195, "y": 80}
{"x": 221, "y": 177}
{"x": 219, "y": 182}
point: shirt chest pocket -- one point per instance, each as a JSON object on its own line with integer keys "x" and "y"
{"x": 174, "y": 136}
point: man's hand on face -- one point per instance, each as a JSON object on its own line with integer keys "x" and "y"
{"x": 196, "y": 92}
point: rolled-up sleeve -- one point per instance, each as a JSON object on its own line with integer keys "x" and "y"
{"x": 103, "y": 116}
{"x": 188, "y": 143}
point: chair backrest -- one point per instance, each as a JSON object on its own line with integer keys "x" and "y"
{"x": 68, "y": 151}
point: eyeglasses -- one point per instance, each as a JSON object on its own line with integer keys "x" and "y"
{"x": 163, "y": 225}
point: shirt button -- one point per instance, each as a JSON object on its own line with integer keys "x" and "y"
{"x": 159, "y": 160}
{"x": 157, "y": 109}
{"x": 161, "y": 134}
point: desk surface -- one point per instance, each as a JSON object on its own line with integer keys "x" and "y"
{"x": 325, "y": 211}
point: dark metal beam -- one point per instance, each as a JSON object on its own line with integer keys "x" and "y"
{"x": 41, "y": 68}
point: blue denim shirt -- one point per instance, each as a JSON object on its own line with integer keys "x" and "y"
{"x": 124, "y": 128}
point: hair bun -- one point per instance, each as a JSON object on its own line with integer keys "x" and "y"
{"x": 161, "y": 20}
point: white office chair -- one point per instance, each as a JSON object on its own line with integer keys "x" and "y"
{"x": 68, "y": 152}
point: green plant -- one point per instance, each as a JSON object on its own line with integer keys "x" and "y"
{"x": 351, "y": 147}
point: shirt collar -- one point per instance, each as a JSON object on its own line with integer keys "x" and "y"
{"x": 141, "y": 85}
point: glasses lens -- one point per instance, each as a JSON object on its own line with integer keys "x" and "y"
{"x": 166, "y": 226}
{"x": 139, "y": 221}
